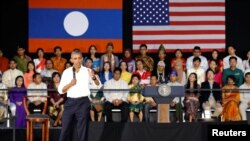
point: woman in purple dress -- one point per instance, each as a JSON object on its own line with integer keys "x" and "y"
{"x": 16, "y": 97}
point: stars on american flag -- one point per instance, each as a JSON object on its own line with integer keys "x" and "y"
{"x": 150, "y": 12}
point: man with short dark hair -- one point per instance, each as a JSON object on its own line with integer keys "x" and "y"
{"x": 200, "y": 72}
{"x": 148, "y": 62}
{"x": 58, "y": 61}
{"x": 233, "y": 70}
{"x": 48, "y": 71}
{"x": 37, "y": 102}
{"x": 197, "y": 53}
{"x": 22, "y": 59}
{"x": 9, "y": 76}
{"x": 116, "y": 99}
{"x": 75, "y": 82}
{"x": 212, "y": 98}
{"x": 88, "y": 63}
{"x": 226, "y": 63}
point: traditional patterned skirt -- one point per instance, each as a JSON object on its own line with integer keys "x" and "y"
{"x": 53, "y": 112}
{"x": 191, "y": 106}
{"x": 135, "y": 107}
{"x": 98, "y": 106}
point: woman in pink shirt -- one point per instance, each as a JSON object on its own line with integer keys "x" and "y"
{"x": 213, "y": 64}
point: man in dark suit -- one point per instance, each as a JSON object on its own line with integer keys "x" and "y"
{"x": 211, "y": 97}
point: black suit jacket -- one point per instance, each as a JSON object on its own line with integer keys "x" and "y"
{"x": 205, "y": 94}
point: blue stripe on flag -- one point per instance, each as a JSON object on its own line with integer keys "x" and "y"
{"x": 48, "y": 23}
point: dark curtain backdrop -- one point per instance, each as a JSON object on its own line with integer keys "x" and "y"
{"x": 14, "y": 25}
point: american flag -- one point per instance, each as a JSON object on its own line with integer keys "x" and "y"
{"x": 179, "y": 24}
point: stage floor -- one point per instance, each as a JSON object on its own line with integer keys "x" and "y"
{"x": 197, "y": 131}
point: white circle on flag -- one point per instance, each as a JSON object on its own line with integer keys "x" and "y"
{"x": 76, "y": 23}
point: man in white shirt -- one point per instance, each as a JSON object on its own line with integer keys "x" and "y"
{"x": 9, "y": 76}
{"x": 197, "y": 53}
{"x": 75, "y": 82}
{"x": 245, "y": 96}
{"x": 47, "y": 72}
{"x": 231, "y": 51}
{"x": 198, "y": 70}
{"x": 37, "y": 102}
{"x": 116, "y": 99}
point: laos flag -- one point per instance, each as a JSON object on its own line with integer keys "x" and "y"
{"x": 75, "y": 24}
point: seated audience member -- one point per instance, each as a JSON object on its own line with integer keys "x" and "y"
{"x": 47, "y": 72}
{"x": 58, "y": 61}
{"x": 176, "y": 103}
{"x": 211, "y": 99}
{"x": 233, "y": 70}
{"x": 28, "y": 75}
{"x": 245, "y": 96}
{"x": 37, "y": 102}
{"x": 16, "y": 95}
{"x": 230, "y": 100}
{"x": 203, "y": 60}
{"x": 147, "y": 61}
{"x": 226, "y": 61}
{"x": 67, "y": 65}
{"x": 198, "y": 70}
{"x": 217, "y": 73}
{"x": 3, "y": 99}
{"x": 116, "y": 99}
{"x": 56, "y": 106}
{"x": 4, "y": 62}
{"x": 162, "y": 58}
{"x": 149, "y": 101}
{"x": 129, "y": 60}
{"x": 178, "y": 60}
{"x": 126, "y": 75}
{"x": 246, "y": 63}
{"x": 144, "y": 74}
{"x": 191, "y": 101}
{"x": 97, "y": 98}
{"x": 10, "y": 75}
{"x": 160, "y": 72}
{"x": 106, "y": 73}
{"x": 95, "y": 60}
{"x": 40, "y": 62}
{"x": 181, "y": 74}
{"x": 109, "y": 57}
{"x": 135, "y": 98}
{"x": 216, "y": 57}
{"x": 88, "y": 63}
{"x": 21, "y": 59}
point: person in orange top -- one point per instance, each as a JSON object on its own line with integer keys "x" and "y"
{"x": 4, "y": 62}
{"x": 178, "y": 60}
{"x": 230, "y": 100}
{"x": 58, "y": 60}
{"x": 28, "y": 75}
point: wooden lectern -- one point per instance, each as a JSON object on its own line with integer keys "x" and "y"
{"x": 163, "y": 96}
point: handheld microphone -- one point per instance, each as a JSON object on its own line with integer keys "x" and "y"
{"x": 74, "y": 73}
